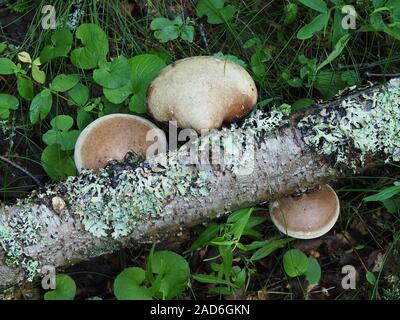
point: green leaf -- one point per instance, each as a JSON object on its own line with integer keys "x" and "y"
{"x": 58, "y": 164}
{"x": 7, "y": 103}
{"x": 60, "y": 134}
{"x": 208, "y": 278}
{"x": 370, "y": 276}
{"x": 63, "y": 82}
{"x": 317, "y": 5}
{"x": 144, "y": 68}
{"x": 62, "y": 122}
{"x": 338, "y": 30}
{"x": 336, "y": 51}
{"x": 40, "y": 106}
{"x": 187, "y": 33}
{"x": 384, "y": 194}
{"x": 61, "y": 42}
{"x": 166, "y": 34}
{"x": 268, "y": 247}
{"x": 95, "y": 46}
{"x": 79, "y": 94}
{"x": 230, "y": 57}
{"x": 113, "y": 75}
{"x": 295, "y": 263}
{"x": 7, "y": 66}
{"x": 313, "y": 273}
{"x": 290, "y": 11}
{"x": 128, "y": 285}
{"x": 215, "y": 10}
{"x": 316, "y": 25}
{"x": 65, "y": 289}
{"x": 172, "y": 272}
{"x": 38, "y": 75}
{"x": 205, "y": 236}
{"x": 303, "y": 103}
{"x": 328, "y": 83}
{"x": 25, "y": 87}
{"x": 3, "y": 46}
{"x": 392, "y": 205}
{"x": 161, "y": 23}
{"x": 83, "y": 119}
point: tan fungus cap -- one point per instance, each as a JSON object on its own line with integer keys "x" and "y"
{"x": 308, "y": 216}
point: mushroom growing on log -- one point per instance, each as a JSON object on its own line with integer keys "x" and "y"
{"x": 307, "y": 216}
{"x": 129, "y": 206}
{"x": 113, "y": 136}
{"x": 201, "y": 93}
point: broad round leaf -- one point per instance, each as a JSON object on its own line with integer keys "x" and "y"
{"x": 94, "y": 49}
{"x": 172, "y": 273}
{"x": 64, "y": 82}
{"x": 7, "y": 66}
{"x": 7, "y": 102}
{"x": 62, "y": 122}
{"x": 40, "y": 106}
{"x": 295, "y": 263}
{"x": 313, "y": 273}
{"x": 61, "y": 42}
{"x": 113, "y": 75}
{"x": 127, "y": 285}
{"x": 25, "y": 87}
{"x": 79, "y": 94}
{"x": 65, "y": 289}
{"x": 58, "y": 164}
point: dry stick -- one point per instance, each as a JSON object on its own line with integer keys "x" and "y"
{"x": 23, "y": 170}
{"x": 50, "y": 229}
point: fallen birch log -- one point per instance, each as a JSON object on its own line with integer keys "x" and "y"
{"x": 129, "y": 205}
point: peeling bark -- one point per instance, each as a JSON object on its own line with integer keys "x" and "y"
{"x": 284, "y": 163}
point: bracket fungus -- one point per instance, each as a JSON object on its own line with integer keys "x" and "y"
{"x": 113, "y": 136}
{"x": 201, "y": 93}
{"x": 307, "y": 216}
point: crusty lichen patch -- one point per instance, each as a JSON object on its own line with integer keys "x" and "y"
{"x": 112, "y": 201}
{"x": 355, "y": 130}
{"x": 19, "y": 232}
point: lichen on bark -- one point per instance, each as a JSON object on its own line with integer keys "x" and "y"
{"x": 353, "y": 130}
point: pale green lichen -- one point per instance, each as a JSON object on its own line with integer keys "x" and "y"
{"x": 112, "y": 201}
{"x": 354, "y": 130}
{"x": 19, "y": 232}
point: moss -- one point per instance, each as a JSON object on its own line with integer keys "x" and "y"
{"x": 354, "y": 130}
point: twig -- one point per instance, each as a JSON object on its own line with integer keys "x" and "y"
{"x": 18, "y": 167}
{"x": 391, "y": 75}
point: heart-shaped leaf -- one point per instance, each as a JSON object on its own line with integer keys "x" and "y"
{"x": 215, "y": 10}
{"x": 58, "y": 164}
{"x": 128, "y": 285}
{"x": 7, "y": 66}
{"x": 7, "y": 103}
{"x": 40, "y": 106}
{"x": 144, "y": 68}
{"x": 95, "y": 46}
{"x": 25, "y": 87}
{"x": 61, "y": 42}
{"x": 65, "y": 289}
{"x": 113, "y": 75}
{"x": 317, "y": 24}
{"x": 295, "y": 263}
{"x": 64, "y": 82}
{"x": 79, "y": 94}
{"x": 172, "y": 272}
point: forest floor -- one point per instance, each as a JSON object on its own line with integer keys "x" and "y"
{"x": 264, "y": 37}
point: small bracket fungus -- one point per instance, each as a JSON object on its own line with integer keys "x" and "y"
{"x": 202, "y": 93}
{"x": 308, "y": 216}
{"x": 112, "y": 137}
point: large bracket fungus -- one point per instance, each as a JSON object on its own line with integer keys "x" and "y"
{"x": 202, "y": 93}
